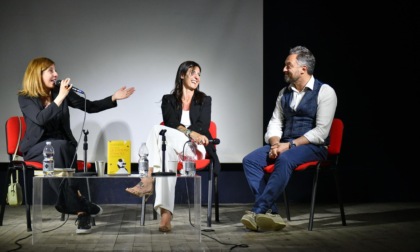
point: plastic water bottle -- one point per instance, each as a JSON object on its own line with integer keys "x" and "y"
{"x": 48, "y": 162}
{"x": 143, "y": 161}
{"x": 189, "y": 159}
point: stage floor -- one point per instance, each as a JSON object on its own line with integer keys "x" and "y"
{"x": 370, "y": 227}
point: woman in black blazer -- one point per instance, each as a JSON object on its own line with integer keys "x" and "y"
{"x": 186, "y": 115}
{"x": 45, "y": 107}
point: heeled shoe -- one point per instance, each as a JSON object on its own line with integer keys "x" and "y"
{"x": 141, "y": 189}
{"x": 167, "y": 227}
{"x": 137, "y": 191}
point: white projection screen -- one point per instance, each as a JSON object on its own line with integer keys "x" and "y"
{"x": 103, "y": 45}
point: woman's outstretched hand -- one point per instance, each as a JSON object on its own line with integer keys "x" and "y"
{"x": 123, "y": 93}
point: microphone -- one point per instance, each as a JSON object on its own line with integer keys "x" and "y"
{"x": 75, "y": 89}
{"x": 213, "y": 141}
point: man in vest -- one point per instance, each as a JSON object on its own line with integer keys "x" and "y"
{"x": 296, "y": 133}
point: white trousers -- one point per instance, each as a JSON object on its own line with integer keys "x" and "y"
{"x": 165, "y": 186}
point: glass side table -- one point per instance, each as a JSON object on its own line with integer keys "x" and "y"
{"x": 45, "y": 195}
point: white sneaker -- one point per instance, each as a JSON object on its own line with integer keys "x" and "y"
{"x": 269, "y": 221}
{"x": 249, "y": 221}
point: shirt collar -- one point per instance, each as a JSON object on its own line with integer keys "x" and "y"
{"x": 309, "y": 85}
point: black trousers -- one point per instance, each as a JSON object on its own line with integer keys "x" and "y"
{"x": 64, "y": 153}
{"x": 68, "y": 199}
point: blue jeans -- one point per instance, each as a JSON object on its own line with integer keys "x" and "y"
{"x": 267, "y": 192}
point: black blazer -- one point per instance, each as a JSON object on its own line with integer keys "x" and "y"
{"x": 200, "y": 116}
{"x": 36, "y": 116}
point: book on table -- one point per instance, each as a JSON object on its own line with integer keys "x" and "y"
{"x": 119, "y": 157}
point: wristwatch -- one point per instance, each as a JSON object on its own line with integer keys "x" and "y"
{"x": 188, "y": 132}
{"x": 292, "y": 144}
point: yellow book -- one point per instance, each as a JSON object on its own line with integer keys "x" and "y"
{"x": 119, "y": 157}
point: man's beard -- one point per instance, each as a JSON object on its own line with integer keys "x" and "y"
{"x": 290, "y": 80}
{"x": 287, "y": 79}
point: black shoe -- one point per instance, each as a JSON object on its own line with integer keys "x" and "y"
{"x": 91, "y": 208}
{"x": 94, "y": 210}
{"x": 83, "y": 224}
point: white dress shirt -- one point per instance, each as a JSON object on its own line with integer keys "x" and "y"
{"x": 327, "y": 103}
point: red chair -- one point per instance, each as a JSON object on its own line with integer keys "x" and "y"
{"x": 15, "y": 131}
{"x": 202, "y": 165}
{"x": 330, "y": 164}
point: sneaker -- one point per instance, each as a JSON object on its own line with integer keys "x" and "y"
{"x": 269, "y": 221}
{"x": 249, "y": 221}
{"x": 83, "y": 224}
{"x": 94, "y": 210}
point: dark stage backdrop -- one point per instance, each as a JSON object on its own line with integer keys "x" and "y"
{"x": 369, "y": 55}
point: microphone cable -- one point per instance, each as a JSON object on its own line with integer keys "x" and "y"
{"x": 46, "y": 231}
{"x": 208, "y": 230}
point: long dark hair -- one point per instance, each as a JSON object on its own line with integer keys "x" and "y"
{"x": 198, "y": 96}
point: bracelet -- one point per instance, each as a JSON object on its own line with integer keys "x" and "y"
{"x": 188, "y": 132}
{"x": 275, "y": 144}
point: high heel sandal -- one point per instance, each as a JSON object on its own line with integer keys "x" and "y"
{"x": 141, "y": 189}
{"x": 165, "y": 229}
{"x": 168, "y": 227}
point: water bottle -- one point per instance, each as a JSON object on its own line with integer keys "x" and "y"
{"x": 48, "y": 162}
{"x": 189, "y": 159}
{"x": 143, "y": 161}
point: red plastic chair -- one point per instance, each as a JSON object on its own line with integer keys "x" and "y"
{"x": 202, "y": 165}
{"x": 330, "y": 164}
{"x": 15, "y": 131}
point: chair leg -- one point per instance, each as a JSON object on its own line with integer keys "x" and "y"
{"x": 216, "y": 198}
{"x": 210, "y": 197}
{"x": 340, "y": 200}
{"x": 153, "y": 205}
{"x": 315, "y": 183}
{"x": 154, "y": 214}
{"x": 209, "y": 204}
{"x": 4, "y": 196}
{"x": 27, "y": 204}
{"x": 286, "y": 204}
{"x": 143, "y": 211}
{"x": 3, "y": 207}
